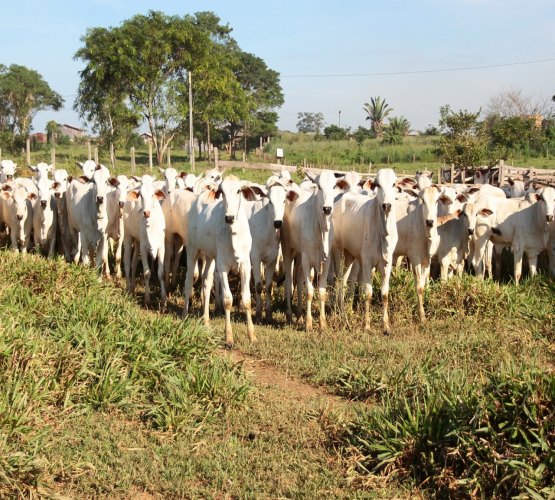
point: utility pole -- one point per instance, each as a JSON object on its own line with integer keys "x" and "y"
{"x": 339, "y": 119}
{"x": 191, "y": 139}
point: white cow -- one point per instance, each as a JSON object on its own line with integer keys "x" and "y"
{"x": 417, "y": 228}
{"x": 45, "y": 217}
{"x": 523, "y": 224}
{"x": 219, "y": 233}
{"x": 144, "y": 228}
{"x": 365, "y": 230}
{"x": 116, "y": 198}
{"x": 308, "y": 237}
{"x": 64, "y": 237}
{"x": 87, "y": 217}
{"x": 265, "y": 222}
{"x": 17, "y": 214}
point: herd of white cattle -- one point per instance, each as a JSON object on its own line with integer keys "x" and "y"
{"x": 332, "y": 226}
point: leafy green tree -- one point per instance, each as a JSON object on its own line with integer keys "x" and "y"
{"x": 23, "y": 93}
{"x": 513, "y": 133}
{"x": 143, "y": 64}
{"x": 310, "y": 122}
{"x": 377, "y": 110}
{"x": 361, "y": 134}
{"x": 463, "y": 141}
{"x": 336, "y": 133}
{"x": 262, "y": 93}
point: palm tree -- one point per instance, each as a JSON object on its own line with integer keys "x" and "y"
{"x": 395, "y": 130}
{"x": 377, "y": 110}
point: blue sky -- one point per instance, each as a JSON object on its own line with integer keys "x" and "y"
{"x": 349, "y": 37}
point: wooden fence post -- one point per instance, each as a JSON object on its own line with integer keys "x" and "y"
{"x": 150, "y": 155}
{"x": 452, "y": 173}
{"x": 89, "y": 150}
{"x": 53, "y": 156}
{"x": 28, "y": 149}
{"x": 169, "y": 157}
{"x": 369, "y": 167}
{"x": 133, "y": 160}
{"x": 216, "y": 158}
{"x": 96, "y": 154}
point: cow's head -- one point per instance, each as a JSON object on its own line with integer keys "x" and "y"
{"x": 278, "y": 191}
{"x": 546, "y": 196}
{"x": 170, "y": 178}
{"x": 385, "y": 187}
{"x": 429, "y": 197}
{"x": 148, "y": 198}
{"x": 61, "y": 180}
{"x": 8, "y": 170}
{"x": 233, "y": 190}
{"x": 324, "y": 184}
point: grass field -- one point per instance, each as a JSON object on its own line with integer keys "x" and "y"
{"x": 100, "y": 397}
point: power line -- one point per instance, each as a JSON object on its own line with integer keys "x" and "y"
{"x": 421, "y": 71}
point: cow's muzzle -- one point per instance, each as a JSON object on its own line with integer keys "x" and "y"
{"x": 549, "y": 218}
{"x": 19, "y": 217}
{"x": 146, "y": 213}
{"x": 326, "y": 210}
{"x": 43, "y": 204}
{"x": 470, "y": 231}
{"x": 386, "y": 207}
{"x": 100, "y": 200}
{"x": 229, "y": 219}
{"x": 278, "y": 224}
{"x": 429, "y": 223}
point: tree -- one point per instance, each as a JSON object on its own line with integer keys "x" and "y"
{"x": 142, "y": 65}
{"x": 377, "y": 110}
{"x": 310, "y": 122}
{"x": 23, "y": 93}
{"x": 52, "y": 131}
{"x": 361, "y": 134}
{"x": 262, "y": 93}
{"x": 463, "y": 141}
{"x": 336, "y": 133}
{"x": 510, "y": 103}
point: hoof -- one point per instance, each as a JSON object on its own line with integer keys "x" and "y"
{"x": 228, "y": 346}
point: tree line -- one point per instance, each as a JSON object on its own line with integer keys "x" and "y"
{"x": 512, "y": 123}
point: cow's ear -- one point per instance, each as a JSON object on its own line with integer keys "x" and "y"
{"x": 33, "y": 168}
{"x": 437, "y": 187}
{"x": 248, "y": 193}
{"x": 473, "y": 190}
{"x": 485, "y": 212}
{"x": 462, "y": 198}
{"x": 368, "y": 185}
{"x": 292, "y": 195}
{"x": 69, "y": 178}
{"x": 83, "y": 179}
{"x": 79, "y": 164}
{"x": 32, "y": 196}
{"x": 159, "y": 195}
{"x": 113, "y": 182}
{"x": 162, "y": 170}
{"x": 183, "y": 174}
{"x": 6, "y": 195}
{"x": 338, "y": 175}
{"x": 214, "y": 194}
{"x": 343, "y": 184}
{"x": 98, "y": 166}
{"x": 132, "y": 196}
{"x": 445, "y": 199}
{"x": 410, "y": 192}
{"x": 538, "y": 196}
{"x": 259, "y": 191}
{"x": 511, "y": 181}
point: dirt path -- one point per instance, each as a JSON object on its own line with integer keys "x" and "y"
{"x": 263, "y": 374}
